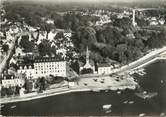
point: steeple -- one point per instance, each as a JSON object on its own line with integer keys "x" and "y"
{"x": 87, "y": 55}
{"x": 87, "y": 64}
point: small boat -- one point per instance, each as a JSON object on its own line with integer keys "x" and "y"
{"x": 119, "y": 92}
{"x": 14, "y": 106}
{"x": 107, "y": 106}
{"x": 109, "y": 111}
{"x": 162, "y": 81}
{"x": 142, "y": 114}
{"x": 146, "y": 95}
{"x": 162, "y": 114}
{"x": 125, "y": 102}
{"x": 131, "y": 102}
{"x": 96, "y": 90}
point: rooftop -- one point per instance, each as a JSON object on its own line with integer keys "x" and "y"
{"x": 48, "y": 59}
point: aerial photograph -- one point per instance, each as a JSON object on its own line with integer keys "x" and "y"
{"x": 83, "y": 58}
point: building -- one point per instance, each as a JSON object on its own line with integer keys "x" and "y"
{"x": 62, "y": 51}
{"x": 9, "y": 81}
{"x": 51, "y": 35}
{"x": 19, "y": 51}
{"x": 50, "y": 66}
{"x": 105, "y": 68}
{"x": 1, "y": 52}
{"x": 89, "y": 64}
{"x": 27, "y": 69}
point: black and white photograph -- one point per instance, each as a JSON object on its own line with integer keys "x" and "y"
{"x": 83, "y": 58}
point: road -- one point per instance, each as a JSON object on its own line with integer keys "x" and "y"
{"x": 143, "y": 60}
{"x": 10, "y": 52}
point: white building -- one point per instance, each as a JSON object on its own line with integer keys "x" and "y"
{"x": 161, "y": 21}
{"x": 89, "y": 64}
{"x": 67, "y": 33}
{"x": 51, "y": 35}
{"x": 28, "y": 70}
{"x": 104, "y": 68}
{"x": 12, "y": 82}
{"x": 50, "y": 66}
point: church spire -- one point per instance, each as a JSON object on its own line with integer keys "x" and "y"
{"x": 87, "y": 55}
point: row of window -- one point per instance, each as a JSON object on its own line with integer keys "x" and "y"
{"x": 49, "y": 66}
{"x": 44, "y": 72}
{"x": 51, "y": 63}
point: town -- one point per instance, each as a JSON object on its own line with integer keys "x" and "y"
{"x": 82, "y": 49}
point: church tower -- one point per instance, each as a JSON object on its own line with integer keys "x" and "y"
{"x": 87, "y": 55}
{"x": 87, "y": 64}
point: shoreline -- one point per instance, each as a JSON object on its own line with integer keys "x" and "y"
{"x": 53, "y": 92}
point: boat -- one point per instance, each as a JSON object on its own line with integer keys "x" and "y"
{"x": 131, "y": 102}
{"x": 14, "y": 106}
{"x": 142, "y": 114}
{"x": 96, "y": 90}
{"x": 162, "y": 114}
{"x": 162, "y": 81}
{"x": 125, "y": 102}
{"x": 146, "y": 95}
{"x": 109, "y": 111}
{"x": 107, "y": 106}
{"x": 119, "y": 92}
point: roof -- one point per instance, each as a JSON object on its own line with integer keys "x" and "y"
{"x": 27, "y": 65}
{"x": 104, "y": 64}
{"x": 48, "y": 59}
{"x": 81, "y": 64}
{"x": 8, "y": 76}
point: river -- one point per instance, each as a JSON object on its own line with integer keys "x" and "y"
{"x": 90, "y": 103}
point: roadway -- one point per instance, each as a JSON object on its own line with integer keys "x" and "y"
{"x": 10, "y": 52}
{"x": 134, "y": 65}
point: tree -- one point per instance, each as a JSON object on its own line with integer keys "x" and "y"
{"x": 86, "y": 71}
{"x": 3, "y": 91}
{"x": 45, "y": 48}
{"x": 26, "y": 44}
{"x": 5, "y": 48}
{"x": 28, "y": 86}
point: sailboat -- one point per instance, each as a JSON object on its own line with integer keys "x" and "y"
{"x": 146, "y": 95}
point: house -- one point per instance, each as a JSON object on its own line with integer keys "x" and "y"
{"x": 9, "y": 80}
{"x": 51, "y": 35}
{"x": 62, "y": 51}
{"x": 27, "y": 69}
{"x": 161, "y": 21}
{"x": 19, "y": 51}
{"x": 1, "y": 52}
{"x": 104, "y": 68}
{"x": 12, "y": 60}
{"x": 50, "y": 21}
{"x": 50, "y": 66}
{"x": 153, "y": 23}
{"x": 67, "y": 33}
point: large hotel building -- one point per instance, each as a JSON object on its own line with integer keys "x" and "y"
{"x": 50, "y": 66}
{"x": 44, "y": 66}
